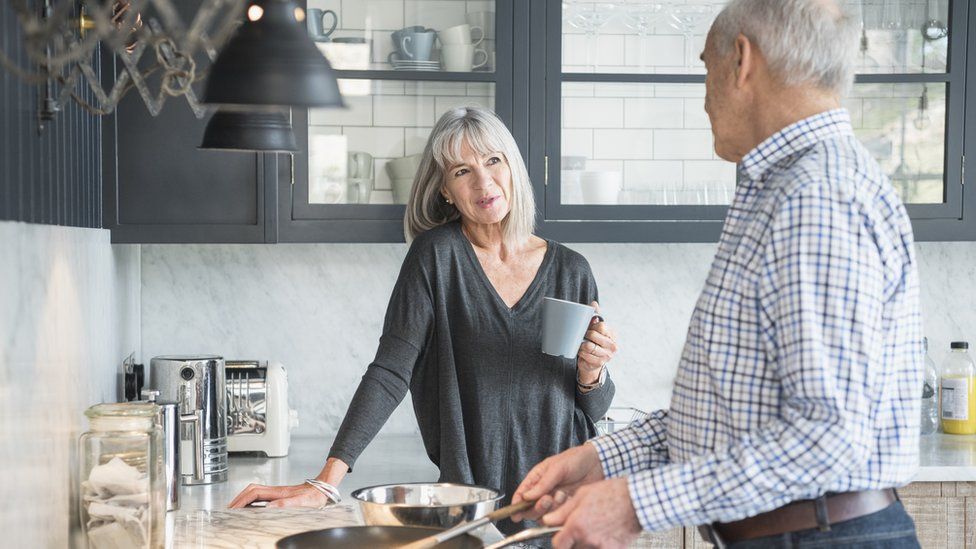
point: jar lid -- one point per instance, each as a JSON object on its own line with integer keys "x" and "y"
{"x": 122, "y": 416}
{"x": 959, "y": 345}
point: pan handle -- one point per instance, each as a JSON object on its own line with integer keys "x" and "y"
{"x": 531, "y": 533}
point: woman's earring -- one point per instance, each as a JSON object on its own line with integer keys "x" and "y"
{"x": 448, "y": 200}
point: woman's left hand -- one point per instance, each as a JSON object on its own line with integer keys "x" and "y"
{"x": 598, "y": 348}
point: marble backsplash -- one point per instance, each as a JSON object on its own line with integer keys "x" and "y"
{"x": 318, "y": 308}
{"x": 69, "y": 314}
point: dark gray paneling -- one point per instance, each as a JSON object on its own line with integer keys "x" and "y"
{"x": 52, "y": 177}
{"x": 158, "y": 187}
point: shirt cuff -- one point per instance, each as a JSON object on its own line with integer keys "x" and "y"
{"x": 620, "y": 453}
{"x": 646, "y": 493}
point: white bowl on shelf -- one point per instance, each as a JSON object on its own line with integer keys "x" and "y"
{"x": 601, "y": 187}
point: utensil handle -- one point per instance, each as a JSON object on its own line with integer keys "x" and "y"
{"x": 509, "y": 510}
{"x": 524, "y": 535}
{"x": 464, "y": 527}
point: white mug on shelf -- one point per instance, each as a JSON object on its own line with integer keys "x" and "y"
{"x": 484, "y": 20}
{"x": 461, "y": 57}
{"x": 601, "y": 187}
{"x": 461, "y": 34}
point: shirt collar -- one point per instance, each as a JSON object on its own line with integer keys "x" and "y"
{"x": 794, "y": 138}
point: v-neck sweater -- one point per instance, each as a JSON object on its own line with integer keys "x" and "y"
{"x": 489, "y": 403}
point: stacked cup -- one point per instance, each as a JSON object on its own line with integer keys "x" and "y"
{"x": 459, "y": 49}
{"x": 486, "y": 21}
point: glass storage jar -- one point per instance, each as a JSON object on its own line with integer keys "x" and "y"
{"x": 123, "y": 491}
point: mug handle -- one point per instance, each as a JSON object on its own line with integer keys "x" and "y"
{"x": 483, "y": 61}
{"x": 403, "y": 46}
{"x": 480, "y": 38}
{"x": 335, "y": 23}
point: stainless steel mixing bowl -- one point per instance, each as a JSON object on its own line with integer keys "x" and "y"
{"x": 440, "y": 505}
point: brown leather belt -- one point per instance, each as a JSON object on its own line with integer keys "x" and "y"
{"x": 800, "y": 515}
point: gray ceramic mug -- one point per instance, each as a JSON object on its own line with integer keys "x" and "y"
{"x": 417, "y": 46}
{"x": 564, "y": 324}
{"x": 315, "y": 20}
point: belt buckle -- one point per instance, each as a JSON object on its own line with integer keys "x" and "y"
{"x": 711, "y": 535}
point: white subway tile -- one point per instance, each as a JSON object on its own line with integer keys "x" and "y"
{"x": 387, "y": 87}
{"x": 379, "y": 142}
{"x": 623, "y": 144}
{"x": 372, "y": 14}
{"x": 334, "y": 5}
{"x": 682, "y": 144}
{"x": 415, "y": 139}
{"x": 654, "y": 51}
{"x": 577, "y": 89}
{"x": 679, "y": 90}
{"x": 695, "y": 115}
{"x": 382, "y": 46}
{"x": 381, "y": 197}
{"x": 435, "y": 88}
{"x": 592, "y": 112}
{"x": 653, "y": 113}
{"x": 474, "y": 6}
{"x": 605, "y": 165}
{"x": 650, "y": 174}
{"x": 403, "y": 110}
{"x": 698, "y": 172}
{"x": 359, "y": 112}
{"x": 434, "y": 14}
{"x": 444, "y": 103}
{"x": 480, "y": 88}
{"x": 623, "y": 89}
{"x": 576, "y": 142}
{"x": 605, "y": 51}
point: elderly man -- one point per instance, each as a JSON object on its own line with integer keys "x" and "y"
{"x": 795, "y": 407}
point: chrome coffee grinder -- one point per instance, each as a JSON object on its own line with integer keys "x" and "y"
{"x": 196, "y": 383}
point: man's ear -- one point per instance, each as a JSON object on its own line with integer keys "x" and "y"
{"x": 745, "y": 53}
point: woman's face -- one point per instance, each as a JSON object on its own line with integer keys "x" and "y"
{"x": 479, "y": 186}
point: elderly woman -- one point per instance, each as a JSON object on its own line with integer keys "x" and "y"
{"x": 463, "y": 326}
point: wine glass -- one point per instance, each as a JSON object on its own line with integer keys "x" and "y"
{"x": 641, "y": 18}
{"x": 590, "y": 18}
{"x": 689, "y": 19}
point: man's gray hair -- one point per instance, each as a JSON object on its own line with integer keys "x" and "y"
{"x": 485, "y": 133}
{"x": 803, "y": 41}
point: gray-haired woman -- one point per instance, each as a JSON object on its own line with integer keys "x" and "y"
{"x": 462, "y": 329}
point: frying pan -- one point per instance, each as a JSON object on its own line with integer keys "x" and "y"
{"x": 391, "y": 537}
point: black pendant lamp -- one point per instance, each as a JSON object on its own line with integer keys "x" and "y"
{"x": 272, "y": 61}
{"x": 266, "y": 131}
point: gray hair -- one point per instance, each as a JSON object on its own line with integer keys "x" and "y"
{"x": 484, "y": 133}
{"x": 804, "y": 41}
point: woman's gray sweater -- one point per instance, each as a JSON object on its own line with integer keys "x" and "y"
{"x": 489, "y": 403}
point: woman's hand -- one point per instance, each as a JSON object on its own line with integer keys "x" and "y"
{"x": 300, "y": 495}
{"x": 598, "y": 348}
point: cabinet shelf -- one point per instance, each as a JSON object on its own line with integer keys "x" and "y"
{"x": 440, "y": 76}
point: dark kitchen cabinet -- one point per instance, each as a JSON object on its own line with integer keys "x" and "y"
{"x": 159, "y": 187}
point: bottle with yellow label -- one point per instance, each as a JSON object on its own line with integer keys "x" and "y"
{"x": 957, "y": 391}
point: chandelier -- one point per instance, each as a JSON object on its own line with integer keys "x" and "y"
{"x": 248, "y": 46}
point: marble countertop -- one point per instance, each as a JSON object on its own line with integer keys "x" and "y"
{"x": 204, "y": 520}
{"x": 947, "y": 458}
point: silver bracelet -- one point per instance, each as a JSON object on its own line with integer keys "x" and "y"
{"x": 326, "y": 489}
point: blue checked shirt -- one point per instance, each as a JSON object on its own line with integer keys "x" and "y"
{"x": 802, "y": 366}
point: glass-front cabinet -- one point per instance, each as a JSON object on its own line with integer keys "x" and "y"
{"x": 606, "y": 101}
{"x": 629, "y": 145}
{"x": 401, "y": 63}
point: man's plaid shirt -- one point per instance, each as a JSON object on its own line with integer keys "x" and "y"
{"x": 802, "y": 367}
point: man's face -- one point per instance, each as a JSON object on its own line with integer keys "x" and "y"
{"x": 723, "y": 100}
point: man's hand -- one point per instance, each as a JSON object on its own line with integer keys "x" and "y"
{"x": 598, "y": 515}
{"x": 555, "y": 478}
